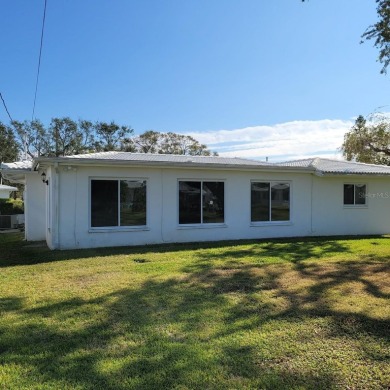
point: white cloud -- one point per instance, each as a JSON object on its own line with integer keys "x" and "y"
{"x": 283, "y": 141}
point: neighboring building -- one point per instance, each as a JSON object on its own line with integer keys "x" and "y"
{"x": 5, "y": 191}
{"x": 120, "y": 199}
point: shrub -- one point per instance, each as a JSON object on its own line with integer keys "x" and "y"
{"x": 11, "y": 206}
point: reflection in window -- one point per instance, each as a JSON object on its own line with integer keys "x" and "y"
{"x": 260, "y": 202}
{"x": 270, "y": 201}
{"x": 354, "y": 194}
{"x": 132, "y": 203}
{"x": 201, "y": 202}
{"x": 104, "y": 203}
{"x": 118, "y": 203}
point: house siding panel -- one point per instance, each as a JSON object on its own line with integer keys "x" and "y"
{"x": 162, "y": 207}
{"x": 332, "y": 217}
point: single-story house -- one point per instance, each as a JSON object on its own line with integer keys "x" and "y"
{"x": 5, "y": 191}
{"x": 119, "y": 198}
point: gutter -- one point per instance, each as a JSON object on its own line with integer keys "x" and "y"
{"x": 341, "y": 174}
{"x": 166, "y": 164}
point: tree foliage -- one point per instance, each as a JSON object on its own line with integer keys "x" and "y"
{"x": 368, "y": 141}
{"x": 110, "y": 136}
{"x": 64, "y": 137}
{"x": 9, "y": 147}
{"x": 380, "y": 33}
{"x": 166, "y": 143}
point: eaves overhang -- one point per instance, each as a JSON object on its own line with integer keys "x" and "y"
{"x": 352, "y": 174}
{"x": 44, "y": 162}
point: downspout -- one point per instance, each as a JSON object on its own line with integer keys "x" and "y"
{"x": 162, "y": 206}
{"x": 311, "y": 205}
{"x": 56, "y": 190}
{"x": 317, "y": 173}
{"x": 25, "y": 201}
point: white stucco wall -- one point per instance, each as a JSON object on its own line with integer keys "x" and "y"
{"x": 331, "y": 217}
{"x": 316, "y": 207}
{"x": 162, "y": 207}
{"x": 35, "y": 207}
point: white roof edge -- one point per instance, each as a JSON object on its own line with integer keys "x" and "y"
{"x": 167, "y": 164}
{"x": 8, "y": 188}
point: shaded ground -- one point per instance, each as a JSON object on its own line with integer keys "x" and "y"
{"x": 310, "y": 313}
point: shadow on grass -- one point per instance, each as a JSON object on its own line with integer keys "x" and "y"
{"x": 187, "y": 332}
{"x": 16, "y": 252}
{"x": 205, "y": 329}
{"x": 150, "y": 338}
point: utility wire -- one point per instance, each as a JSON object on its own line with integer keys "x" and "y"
{"x": 5, "y": 106}
{"x": 39, "y": 60}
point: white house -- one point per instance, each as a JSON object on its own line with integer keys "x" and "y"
{"x": 5, "y": 191}
{"x": 119, "y": 198}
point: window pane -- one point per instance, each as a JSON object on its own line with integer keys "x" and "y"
{"x": 348, "y": 194}
{"x": 104, "y": 203}
{"x": 280, "y": 202}
{"x": 213, "y": 202}
{"x": 260, "y": 202}
{"x": 360, "y": 194}
{"x": 189, "y": 202}
{"x": 133, "y": 203}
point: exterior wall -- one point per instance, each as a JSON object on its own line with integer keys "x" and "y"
{"x": 162, "y": 207}
{"x": 331, "y": 217}
{"x": 35, "y": 207}
{"x": 316, "y": 207}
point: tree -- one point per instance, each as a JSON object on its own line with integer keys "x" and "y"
{"x": 368, "y": 142}
{"x": 380, "y": 32}
{"x": 9, "y": 147}
{"x": 166, "y": 143}
{"x": 110, "y": 136}
{"x": 33, "y": 137}
{"x": 64, "y": 137}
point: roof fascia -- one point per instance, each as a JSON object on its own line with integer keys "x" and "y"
{"x": 351, "y": 174}
{"x": 44, "y": 162}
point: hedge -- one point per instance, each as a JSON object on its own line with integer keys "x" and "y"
{"x": 11, "y": 206}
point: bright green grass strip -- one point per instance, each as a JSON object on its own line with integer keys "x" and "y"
{"x": 281, "y": 314}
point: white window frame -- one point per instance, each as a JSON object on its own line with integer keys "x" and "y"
{"x": 354, "y": 205}
{"x": 118, "y": 228}
{"x": 201, "y": 225}
{"x": 270, "y": 222}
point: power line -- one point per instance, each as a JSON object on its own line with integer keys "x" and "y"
{"x": 5, "y": 106}
{"x": 39, "y": 60}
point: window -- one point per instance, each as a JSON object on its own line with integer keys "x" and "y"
{"x": 270, "y": 201}
{"x": 201, "y": 202}
{"x": 118, "y": 203}
{"x": 354, "y": 194}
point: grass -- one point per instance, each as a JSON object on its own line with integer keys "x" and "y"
{"x": 283, "y": 314}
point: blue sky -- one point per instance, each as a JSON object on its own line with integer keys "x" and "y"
{"x": 252, "y": 78}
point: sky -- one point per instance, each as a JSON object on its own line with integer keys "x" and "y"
{"x": 282, "y": 79}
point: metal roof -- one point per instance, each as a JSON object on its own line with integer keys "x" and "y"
{"x": 329, "y": 166}
{"x": 25, "y": 165}
{"x": 320, "y": 166}
{"x": 159, "y": 158}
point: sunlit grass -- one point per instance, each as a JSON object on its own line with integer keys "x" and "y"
{"x": 303, "y": 313}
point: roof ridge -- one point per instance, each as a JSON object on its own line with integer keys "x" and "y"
{"x": 168, "y": 154}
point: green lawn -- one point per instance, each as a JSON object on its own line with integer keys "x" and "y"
{"x": 283, "y": 314}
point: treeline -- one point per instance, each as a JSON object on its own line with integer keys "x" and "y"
{"x": 64, "y": 137}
